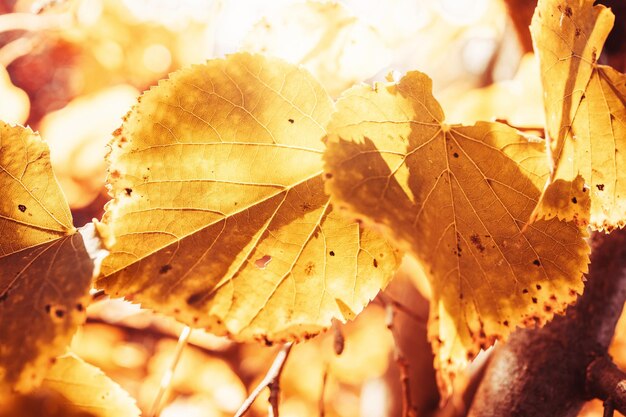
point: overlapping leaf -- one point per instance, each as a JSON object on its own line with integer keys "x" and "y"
{"x": 457, "y": 197}
{"x": 219, "y": 211}
{"x": 45, "y": 271}
{"x": 585, "y": 106}
{"x": 87, "y": 388}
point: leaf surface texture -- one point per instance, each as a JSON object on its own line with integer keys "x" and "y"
{"x": 87, "y": 388}
{"x": 219, "y": 212}
{"x": 458, "y": 198}
{"x": 585, "y": 105}
{"x": 45, "y": 271}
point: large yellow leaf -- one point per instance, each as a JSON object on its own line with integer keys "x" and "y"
{"x": 585, "y": 106}
{"x": 219, "y": 211}
{"x": 87, "y": 388}
{"x": 458, "y": 198}
{"x": 45, "y": 271}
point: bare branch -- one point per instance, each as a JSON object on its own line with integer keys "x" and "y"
{"x": 387, "y": 300}
{"x": 31, "y": 22}
{"x": 166, "y": 380}
{"x": 606, "y": 382}
{"x": 270, "y": 381}
{"x": 403, "y": 364}
{"x": 339, "y": 340}
{"x": 322, "y": 405}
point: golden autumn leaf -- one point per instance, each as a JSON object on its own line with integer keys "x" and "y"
{"x": 458, "y": 198}
{"x": 219, "y": 212}
{"x": 87, "y": 388}
{"x": 45, "y": 271}
{"x": 39, "y": 403}
{"x": 585, "y": 105}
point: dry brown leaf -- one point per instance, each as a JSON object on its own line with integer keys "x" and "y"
{"x": 45, "y": 271}
{"x": 585, "y": 106}
{"x": 87, "y": 388}
{"x": 219, "y": 211}
{"x": 458, "y": 198}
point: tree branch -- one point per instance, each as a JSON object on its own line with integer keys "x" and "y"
{"x": 543, "y": 372}
{"x": 606, "y": 382}
{"x": 271, "y": 381}
{"x": 403, "y": 365}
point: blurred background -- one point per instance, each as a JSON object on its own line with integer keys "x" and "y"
{"x": 71, "y": 69}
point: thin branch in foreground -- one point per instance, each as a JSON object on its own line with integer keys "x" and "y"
{"x": 271, "y": 381}
{"x": 322, "y": 402}
{"x": 166, "y": 380}
{"x": 339, "y": 341}
{"x": 387, "y": 300}
{"x": 403, "y": 364}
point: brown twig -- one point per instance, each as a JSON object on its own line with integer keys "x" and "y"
{"x": 322, "y": 405}
{"x": 166, "y": 380}
{"x": 530, "y": 129}
{"x": 339, "y": 341}
{"x": 31, "y": 22}
{"x": 271, "y": 381}
{"x": 387, "y": 300}
{"x": 403, "y": 364}
{"x": 606, "y": 382}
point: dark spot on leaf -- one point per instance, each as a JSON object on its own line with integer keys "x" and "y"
{"x": 291, "y": 121}
{"x": 129, "y": 191}
{"x": 48, "y": 307}
{"x": 328, "y": 175}
{"x": 194, "y": 298}
{"x": 461, "y": 296}
{"x": 165, "y": 268}
{"x": 524, "y": 291}
{"x": 331, "y": 253}
{"x": 79, "y": 307}
{"x": 305, "y": 206}
{"x": 22, "y": 208}
{"x": 506, "y": 323}
{"x": 577, "y": 32}
{"x": 59, "y": 313}
{"x": 309, "y": 268}
{"x": 600, "y": 187}
{"x": 536, "y": 262}
{"x": 475, "y": 239}
{"x": 538, "y": 286}
{"x": 375, "y": 263}
{"x": 574, "y": 200}
{"x": 267, "y": 341}
{"x": 547, "y": 308}
{"x": 4, "y": 296}
{"x": 534, "y": 300}
{"x": 568, "y": 11}
{"x": 456, "y": 155}
{"x": 262, "y": 262}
